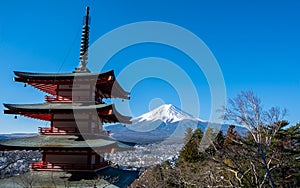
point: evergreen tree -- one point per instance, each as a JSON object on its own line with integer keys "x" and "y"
{"x": 190, "y": 152}
{"x": 188, "y": 135}
{"x": 287, "y": 146}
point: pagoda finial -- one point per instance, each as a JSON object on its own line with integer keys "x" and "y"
{"x": 84, "y": 43}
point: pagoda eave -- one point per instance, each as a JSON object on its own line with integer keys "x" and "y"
{"x": 44, "y": 111}
{"x": 105, "y": 83}
{"x": 54, "y": 81}
{"x": 105, "y": 76}
{"x": 66, "y": 142}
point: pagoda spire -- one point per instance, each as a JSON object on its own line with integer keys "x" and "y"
{"x": 84, "y": 43}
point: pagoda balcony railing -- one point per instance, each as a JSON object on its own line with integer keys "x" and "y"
{"x": 66, "y": 166}
{"x": 68, "y": 99}
{"x": 66, "y": 130}
{"x": 59, "y": 99}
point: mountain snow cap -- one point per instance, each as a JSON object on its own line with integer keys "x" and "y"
{"x": 165, "y": 113}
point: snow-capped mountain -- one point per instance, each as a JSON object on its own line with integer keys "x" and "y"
{"x": 166, "y": 113}
{"x": 165, "y": 123}
{"x": 162, "y": 123}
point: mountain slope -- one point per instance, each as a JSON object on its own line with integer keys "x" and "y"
{"x": 163, "y": 123}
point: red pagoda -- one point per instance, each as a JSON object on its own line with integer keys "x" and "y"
{"x": 76, "y": 111}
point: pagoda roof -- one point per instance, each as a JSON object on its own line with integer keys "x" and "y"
{"x": 48, "y": 82}
{"x": 62, "y": 76}
{"x": 65, "y": 142}
{"x": 54, "y": 106}
{"x": 44, "y": 111}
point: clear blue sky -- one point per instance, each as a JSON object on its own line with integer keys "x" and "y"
{"x": 256, "y": 44}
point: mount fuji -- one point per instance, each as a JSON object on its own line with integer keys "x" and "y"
{"x": 165, "y": 123}
{"x": 166, "y": 113}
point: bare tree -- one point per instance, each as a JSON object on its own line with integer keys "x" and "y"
{"x": 28, "y": 179}
{"x": 246, "y": 109}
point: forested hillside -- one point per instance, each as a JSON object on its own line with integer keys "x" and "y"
{"x": 268, "y": 156}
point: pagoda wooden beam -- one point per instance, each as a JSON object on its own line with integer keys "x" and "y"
{"x": 11, "y": 112}
{"x": 60, "y": 81}
{"x": 79, "y": 152}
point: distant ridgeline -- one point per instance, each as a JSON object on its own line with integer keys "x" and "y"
{"x": 16, "y": 135}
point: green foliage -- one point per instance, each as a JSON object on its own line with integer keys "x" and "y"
{"x": 230, "y": 136}
{"x": 198, "y": 134}
{"x": 190, "y": 152}
{"x": 234, "y": 158}
{"x": 287, "y": 145}
{"x": 188, "y": 135}
{"x": 213, "y": 140}
{"x": 219, "y": 140}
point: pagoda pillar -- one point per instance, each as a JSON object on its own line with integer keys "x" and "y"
{"x": 51, "y": 123}
{"x": 90, "y": 123}
{"x": 97, "y": 159}
{"x": 89, "y": 159}
{"x": 43, "y": 159}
